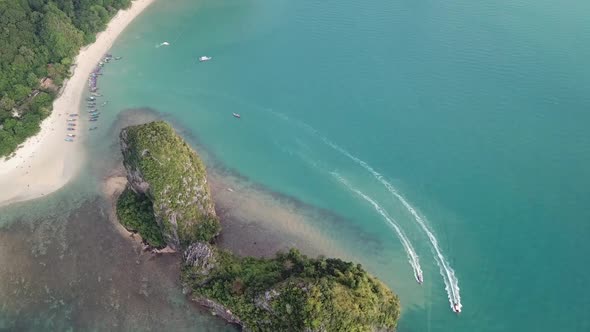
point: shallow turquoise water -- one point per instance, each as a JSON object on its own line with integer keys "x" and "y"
{"x": 475, "y": 113}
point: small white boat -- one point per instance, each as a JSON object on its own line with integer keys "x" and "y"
{"x": 165, "y": 44}
{"x": 456, "y": 308}
{"x": 205, "y": 58}
{"x": 71, "y": 135}
{"x": 72, "y": 120}
{"x": 236, "y": 115}
{"x": 230, "y": 190}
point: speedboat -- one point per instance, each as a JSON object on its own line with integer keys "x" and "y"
{"x": 165, "y": 44}
{"x": 236, "y": 115}
{"x": 456, "y": 308}
{"x": 205, "y": 58}
{"x": 419, "y": 279}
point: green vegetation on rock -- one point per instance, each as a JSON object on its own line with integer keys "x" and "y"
{"x": 39, "y": 40}
{"x": 162, "y": 166}
{"x": 136, "y": 213}
{"x": 290, "y": 292}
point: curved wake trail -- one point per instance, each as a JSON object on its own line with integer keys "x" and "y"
{"x": 412, "y": 256}
{"x": 448, "y": 274}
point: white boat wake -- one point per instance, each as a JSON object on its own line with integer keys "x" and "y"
{"x": 412, "y": 256}
{"x": 447, "y": 273}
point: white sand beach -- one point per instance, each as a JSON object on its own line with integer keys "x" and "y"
{"x": 46, "y": 162}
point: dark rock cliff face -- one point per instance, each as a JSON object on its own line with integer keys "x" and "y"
{"x": 162, "y": 166}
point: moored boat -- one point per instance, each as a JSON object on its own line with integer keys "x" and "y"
{"x": 236, "y": 115}
{"x": 204, "y": 58}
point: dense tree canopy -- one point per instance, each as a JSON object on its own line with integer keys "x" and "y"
{"x": 293, "y": 292}
{"x": 39, "y": 39}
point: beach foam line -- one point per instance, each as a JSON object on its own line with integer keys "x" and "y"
{"x": 448, "y": 274}
{"x": 412, "y": 256}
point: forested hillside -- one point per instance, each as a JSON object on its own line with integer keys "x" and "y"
{"x": 38, "y": 42}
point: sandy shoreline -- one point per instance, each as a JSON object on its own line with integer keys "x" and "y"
{"x": 46, "y": 162}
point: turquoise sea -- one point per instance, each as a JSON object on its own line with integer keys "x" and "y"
{"x": 443, "y": 136}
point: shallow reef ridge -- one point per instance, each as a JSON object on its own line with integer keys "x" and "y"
{"x": 168, "y": 202}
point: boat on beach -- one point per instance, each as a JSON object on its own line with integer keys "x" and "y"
{"x": 94, "y": 119}
{"x": 71, "y": 129}
{"x": 236, "y": 115}
{"x": 71, "y": 135}
{"x": 73, "y": 115}
{"x": 71, "y": 124}
{"x": 69, "y": 139}
{"x": 72, "y": 120}
{"x": 204, "y": 58}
